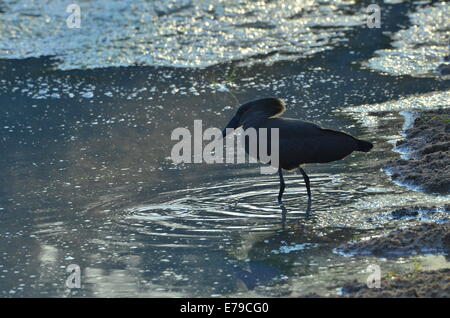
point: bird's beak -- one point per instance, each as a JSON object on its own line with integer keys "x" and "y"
{"x": 234, "y": 123}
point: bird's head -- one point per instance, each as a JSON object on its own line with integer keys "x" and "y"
{"x": 254, "y": 111}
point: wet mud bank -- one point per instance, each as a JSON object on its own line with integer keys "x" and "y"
{"x": 434, "y": 284}
{"x": 426, "y": 163}
{"x": 420, "y": 239}
{"x": 423, "y": 238}
{"x": 424, "y": 166}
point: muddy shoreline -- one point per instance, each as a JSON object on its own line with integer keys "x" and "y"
{"x": 426, "y": 161}
{"x": 425, "y": 284}
{"x": 423, "y": 238}
{"x": 420, "y": 239}
{"x": 425, "y": 165}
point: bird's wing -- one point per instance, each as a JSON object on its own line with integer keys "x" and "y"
{"x": 316, "y": 147}
{"x": 294, "y": 128}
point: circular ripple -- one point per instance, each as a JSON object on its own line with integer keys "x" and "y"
{"x": 210, "y": 211}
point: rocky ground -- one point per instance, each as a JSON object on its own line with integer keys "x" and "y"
{"x": 428, "y": 158}
{"x": 434, "y": 284}
{"x": 428, "y": 237}
{"x": 426, "y": 166}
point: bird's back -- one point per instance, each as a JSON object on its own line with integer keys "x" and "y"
{"x": 291, "y": 128}
{"x": 303, "y": 142}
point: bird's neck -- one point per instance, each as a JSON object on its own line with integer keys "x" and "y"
{"x": 254, "y": 119}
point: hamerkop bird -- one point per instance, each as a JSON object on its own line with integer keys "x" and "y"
{"x": 300, "y": 142}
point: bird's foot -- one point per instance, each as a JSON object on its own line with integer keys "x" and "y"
{"x": 308, "y": 209}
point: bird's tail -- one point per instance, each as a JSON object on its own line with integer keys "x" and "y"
{"x": 363, "y": 145}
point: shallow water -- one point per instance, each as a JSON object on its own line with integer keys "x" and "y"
{"x": 86, "y": 177}
{"x": 187, "y": 33}
{"x": 421, "y": 48}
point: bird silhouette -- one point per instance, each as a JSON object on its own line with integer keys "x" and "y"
{"x": 300, "y": 142}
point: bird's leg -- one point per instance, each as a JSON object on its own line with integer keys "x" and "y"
{"x": 283, "y": 217}
{"x": 306, "y": 178}
{"x": 282, "y": 186}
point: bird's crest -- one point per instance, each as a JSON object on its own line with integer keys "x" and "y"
{"x": 270, "y": 107}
